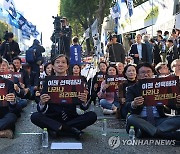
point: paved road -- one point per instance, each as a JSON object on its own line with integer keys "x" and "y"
{"x": 93, "y": 142}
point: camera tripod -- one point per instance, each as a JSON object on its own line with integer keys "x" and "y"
{"x": 59, "y": 46}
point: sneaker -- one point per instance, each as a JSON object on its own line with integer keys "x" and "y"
{"x": 107, "y": 111}
{"x": 6, "y": 134}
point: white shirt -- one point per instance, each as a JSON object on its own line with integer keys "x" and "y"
{"x": 139, "y": 48}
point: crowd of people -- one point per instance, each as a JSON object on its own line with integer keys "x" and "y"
{"x": 155, "y": 58}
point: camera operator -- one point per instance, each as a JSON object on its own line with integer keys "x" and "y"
{"x": 9, "y": 48}
{"x": 62, "y": 35}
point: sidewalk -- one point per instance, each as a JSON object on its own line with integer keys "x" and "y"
{"x": 28, "y": 139}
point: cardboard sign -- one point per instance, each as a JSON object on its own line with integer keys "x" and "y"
{"x": 114, "y": 82}
{"x": 100, "y": 78}
{"x": 3, "y": 93}
{"x": 64, "y": 89}
{"x": 159, "y": 90}
{"x": 11, "y": 75}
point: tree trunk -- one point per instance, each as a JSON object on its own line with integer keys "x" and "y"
{"x": 100, "y": 13}
{"x": 88, "y": 46}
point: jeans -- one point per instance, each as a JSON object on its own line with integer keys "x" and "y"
{"x": 105, "y": 104}
{"x": 8, "y": 121}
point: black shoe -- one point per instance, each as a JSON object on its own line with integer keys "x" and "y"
{"x": 72, "y": 131}
{"x": 52, "y": 133}
{"x": 177, "y": 143}
{"x": 138, "y": 133}
{"x": 76, "y": 132}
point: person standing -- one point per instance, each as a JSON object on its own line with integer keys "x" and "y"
{"x": 172, "y": 52}
{"x": 37, "y": 50}
{"x": 138, "y": 50}
{"x": 75, "y": 53}
{"x": 115, "y": 50}
{"x": 9, "y": 48}
{"x": 149, "y": 48}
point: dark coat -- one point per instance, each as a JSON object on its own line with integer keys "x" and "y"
{"x": 7, "y": 47}
{"x": 10, "y": 107}
{"x": 135, "y": 91}
{"x": 134, "y": 51}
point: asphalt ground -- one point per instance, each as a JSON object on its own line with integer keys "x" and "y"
{"x": 27, "y": 139}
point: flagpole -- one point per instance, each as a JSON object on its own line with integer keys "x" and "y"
{"x": 152, "y": 17}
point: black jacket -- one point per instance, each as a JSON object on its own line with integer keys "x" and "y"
{"x": 116, "y": 53}
{"x": 134, "y": 51}
{"x": 136, "y": 91}
{"x": 7, "y": 47}
{"x": 10, "y": 107}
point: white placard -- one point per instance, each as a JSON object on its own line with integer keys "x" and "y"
{"x": 66, "y": 146}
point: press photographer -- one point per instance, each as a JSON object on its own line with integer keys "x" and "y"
{"x": 9, "y": 48}
{"x": 61, "y": 36}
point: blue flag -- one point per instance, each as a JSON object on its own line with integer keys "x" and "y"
{"x": 130, "y": 7}
{"x": 10, "y": 7}
{"x": 115, "y": 11}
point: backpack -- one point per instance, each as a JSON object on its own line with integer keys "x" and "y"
{"x": 31, "y": 55}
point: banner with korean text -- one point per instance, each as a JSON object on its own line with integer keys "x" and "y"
{"x": 160, "y": 90}
{"x": 3, "y": 93}
{"x": 64, "y": 89}
{"x": 11, "y": 75}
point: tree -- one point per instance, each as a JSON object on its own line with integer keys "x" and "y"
{"x": 84, "y": 12}
{"x": 138, "y": 2}
{"x": 3, "y": 28}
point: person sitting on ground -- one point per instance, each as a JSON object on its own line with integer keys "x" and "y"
{"x": 175, "y": 66}
{"x": 150, "y": 120}
{"x": 12, "y": 67}
{"x": 62, "y": 118}
{"x": 130, "y": 74}
{"x": 7, "y": 117}
{"x": 42, "y": 72}
{"x": 34, "y": 80}
{"x": 48, "y": 69}
{"x": 19, "y": 91}
{"x": 26, "y": 80}
{"x": 162, "y": 70}
{"x": 120, "y": 68}
{"x": 94, "y": 84}
{"x": 108, "y": 100}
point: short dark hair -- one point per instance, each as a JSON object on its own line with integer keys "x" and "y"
{"x": 0, "y": 60}
{"x": 170, "y": 40}
{"x": 15, "y": 69}
{"x": 26, "y": 66}
{"x": 75, "y": 39}
{"x": 166, "y": 33}
{"x": 17, "y": 58}
{"x": 126, "y": 67}
{"x": 46, "y": 65}
{"x": 114, "y": 66}
{"x": 144, "y": 65}
{"x": 159, "y": 31}
{"x": 57, "y": 56}
{"x": 174, "y": 31}
{"x": 102, "y": 62}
